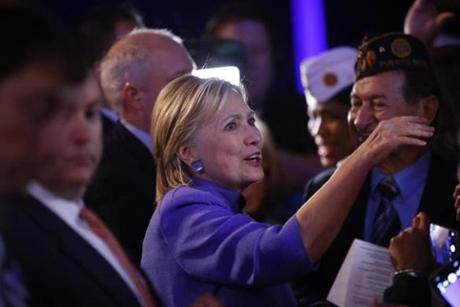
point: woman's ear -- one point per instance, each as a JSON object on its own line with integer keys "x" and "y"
{"x": 187, "y": 154}
{"x": 429, "y": 108}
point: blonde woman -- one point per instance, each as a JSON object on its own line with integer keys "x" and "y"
{"x": 208, "y": 150}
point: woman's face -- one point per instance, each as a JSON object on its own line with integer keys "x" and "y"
{"x": 230, "y": 146}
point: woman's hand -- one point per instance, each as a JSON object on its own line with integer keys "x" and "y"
{"x": 391, "y": 134}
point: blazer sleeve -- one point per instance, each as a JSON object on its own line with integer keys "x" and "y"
{"x": 211, "y": 242}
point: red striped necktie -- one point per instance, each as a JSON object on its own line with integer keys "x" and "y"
{"x": 103, "y": 232}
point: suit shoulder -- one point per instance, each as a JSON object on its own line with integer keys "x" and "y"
{"x": 444, "y": 162}
{"x": 324, "y": 176}
{"x": 317, "y": 182}
{"x": 13, "y": 214}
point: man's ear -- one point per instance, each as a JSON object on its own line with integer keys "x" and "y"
{"x": 131, "y": 96}
{"x": 187, "y": 154}
{"x": 429, "y": 108}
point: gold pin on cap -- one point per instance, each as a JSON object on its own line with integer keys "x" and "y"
{"x": 330, "y": 79}
{"x": 401, "y": 48}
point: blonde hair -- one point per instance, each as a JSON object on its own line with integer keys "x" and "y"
{"x": 180, "y": 110}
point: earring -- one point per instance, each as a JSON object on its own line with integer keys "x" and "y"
{"x": 197, "y": 166}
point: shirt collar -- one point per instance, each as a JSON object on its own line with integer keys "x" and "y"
{"x": 407, "y": 179}
{"x": 109, "y": 114}
{"x": 140, "y": 134}
{"x": 232, "y": 198}
{"x": 66, "y": 209}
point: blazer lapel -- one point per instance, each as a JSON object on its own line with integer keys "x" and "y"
{"x": 76, "y": 248}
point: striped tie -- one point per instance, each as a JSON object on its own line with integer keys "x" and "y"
{"x": 386, "y": 222}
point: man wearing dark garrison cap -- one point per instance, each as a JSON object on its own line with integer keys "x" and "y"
{"x": 393, "y": 78}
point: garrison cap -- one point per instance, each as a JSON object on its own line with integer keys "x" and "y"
{"x": 325, "y": 75}
{"x": 391, "y": 51}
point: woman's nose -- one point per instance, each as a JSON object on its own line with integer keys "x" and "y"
{"x": 254, "y": 137}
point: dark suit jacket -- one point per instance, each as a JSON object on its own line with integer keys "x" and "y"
{"x": 60, "y": 268}
{"x": 437, "y": 202}
{"x": 107, "y": 126}
{"x": 408, "y": 290}
{"x": 122, "y": 190}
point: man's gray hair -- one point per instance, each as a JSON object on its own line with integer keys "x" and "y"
{"x": 126, "y": 62}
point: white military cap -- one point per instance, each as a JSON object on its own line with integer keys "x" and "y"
{"x": 325, "y": 75}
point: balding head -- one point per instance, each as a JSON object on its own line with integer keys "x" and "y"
{"x": 137, "y": 67}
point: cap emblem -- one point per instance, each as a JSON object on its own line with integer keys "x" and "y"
{"x": 401, "y": 48}
{"x": 330, "y": 79}
{"x": 371, "y": 58}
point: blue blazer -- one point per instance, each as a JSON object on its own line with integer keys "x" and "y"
{"x": 198, "y": 241}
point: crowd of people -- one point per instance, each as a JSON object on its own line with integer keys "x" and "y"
{"x": 125, "y": 180}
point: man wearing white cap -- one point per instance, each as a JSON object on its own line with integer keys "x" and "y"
{"x": 327, "y": 80}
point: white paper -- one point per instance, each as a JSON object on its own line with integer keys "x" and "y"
{"x": 363, "y": 277}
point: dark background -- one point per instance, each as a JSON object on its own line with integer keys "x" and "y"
{"x": 347, "y": 21}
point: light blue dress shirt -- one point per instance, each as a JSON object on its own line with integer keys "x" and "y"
{"x": 109, "y": 114}
{"x": 140, "y": 134}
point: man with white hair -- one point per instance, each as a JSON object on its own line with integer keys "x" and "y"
{"x": 133, "y": 72}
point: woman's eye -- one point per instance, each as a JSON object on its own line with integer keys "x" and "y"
{"x": 252, "y": 121}
{"x": 230, "y": 126}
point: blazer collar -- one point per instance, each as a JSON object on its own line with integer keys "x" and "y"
{"x": 76, "y": 248}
